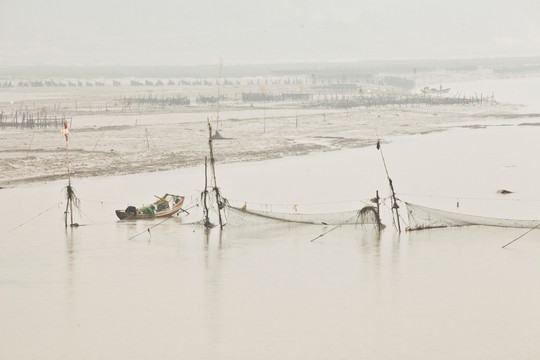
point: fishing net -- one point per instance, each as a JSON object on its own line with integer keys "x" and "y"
{"x": 421, "y": 217}
{"x": 71, "y": 196}
{"x": 366, "y": 215}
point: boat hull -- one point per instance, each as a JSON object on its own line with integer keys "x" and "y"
{"x": 435, "y": 91}
{"x": 124, "y": 215}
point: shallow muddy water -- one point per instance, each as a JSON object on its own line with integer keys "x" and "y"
{"x": 114, "y": 290}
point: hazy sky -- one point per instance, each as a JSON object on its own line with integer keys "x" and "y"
{"x": 241, "y": 31}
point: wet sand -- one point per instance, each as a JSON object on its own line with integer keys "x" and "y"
{"x": 111, "y": 136}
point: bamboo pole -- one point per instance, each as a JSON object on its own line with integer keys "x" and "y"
{"x": 212, "y": 164}
{"x": 395, "y": 206}
{"x": 207, "y": 222}
{"x": 30, "y": 145}
{"x": 69, "y": 192}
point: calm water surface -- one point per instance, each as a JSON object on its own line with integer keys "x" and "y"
{"x": 264, "y": 291}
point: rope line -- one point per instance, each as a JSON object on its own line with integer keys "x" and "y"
{"x": 35, "y": 217}
{"x": 159, "y": 223}
{"x": 365, "y": 202}
{"x": 522, "y": 235}
{"x": 334, "y": 228}
{"x": 151, "y": 227}
{"x": 465, "y": 198}
{"x": 103, "y": 202}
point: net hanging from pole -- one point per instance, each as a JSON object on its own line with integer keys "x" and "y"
{"x": 421, "y": 217}
{"x": 365, "y": 215}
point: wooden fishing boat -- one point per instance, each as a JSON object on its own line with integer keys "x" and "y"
{"x": 428, "y": 90}
{"x": 167, "y": 205}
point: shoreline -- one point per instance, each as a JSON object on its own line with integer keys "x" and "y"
{"x": 31, "y": 157}
{"x": 111, "y": 137}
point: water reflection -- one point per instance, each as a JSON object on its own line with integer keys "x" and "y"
{"x": 70, "y": 238}
{"x": 213, "y": 282}
{"x": 185, "y": 291}
{"x": 70, "y": 302}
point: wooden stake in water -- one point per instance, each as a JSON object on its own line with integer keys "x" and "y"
{"x": 395, "y": 206}
{"x": 207, "y": 222}
{"x": 69, "y": 191}
{"x": 377, "y": 199}
{"x": 219, "y": 201}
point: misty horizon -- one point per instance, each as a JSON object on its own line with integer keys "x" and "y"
{"x": 166, "y": 32}
{"x": 318, "y": 69}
